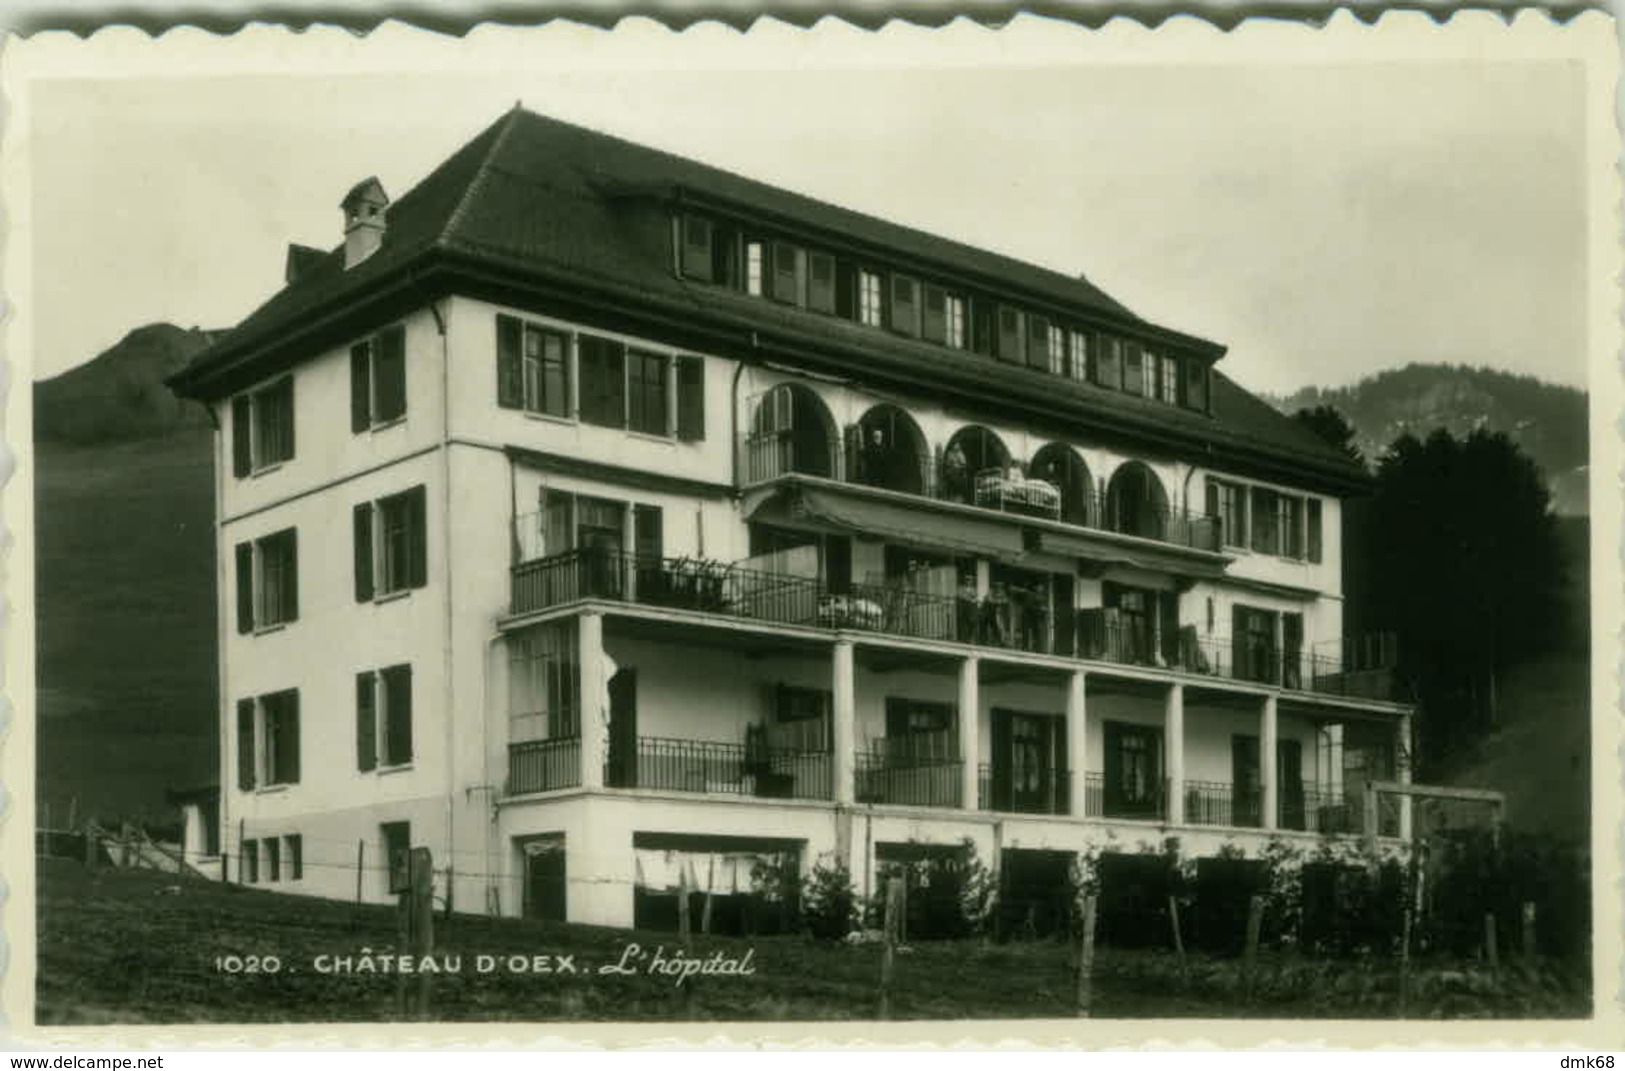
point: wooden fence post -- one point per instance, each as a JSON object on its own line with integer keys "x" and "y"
{"x": 242, "y": 831}
{"x": 894, "y": 911}
{"x": 1086, "y": 958}
{"x": 1405, "y": 963}
{"x": 1255, "y": 921}
{"x": 1529, "y": 946}
{"x": 360, "y": 857}
{"x": 1179, "y": 939}
{"x": 422, "y": 923}
{"x": 1491, "y": 955}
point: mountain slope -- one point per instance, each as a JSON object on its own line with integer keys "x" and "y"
{"x": 125, "y": 581}
{"x": 1547, "y": 420}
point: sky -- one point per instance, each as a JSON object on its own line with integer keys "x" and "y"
{"x": 1324, "y": 222}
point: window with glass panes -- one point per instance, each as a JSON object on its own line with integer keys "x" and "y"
{"x": 542, "y": 701}
{"x": 869, "y": 298}
{"x": 646, "y": 392}
{"x": 1056, "y": 345}
{"x": 1078, "y": 355}
{"x": 546, "y": 372}
{"x": 955, "y": 317}
{"x": 753, "y": 268}
{"x": 1168, "y": 379}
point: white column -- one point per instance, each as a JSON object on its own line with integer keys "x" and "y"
{"x": 594, "y": 698}
{"x": 1077, "y": 741}
{"x": 1173, "y": 718}
{"x": 1402, "y": 772}
{"x": 843, "y": 714}
{"x": 1268, "y": 734}
{"x": 970, "y": 729}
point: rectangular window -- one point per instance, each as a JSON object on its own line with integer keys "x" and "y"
{"x": 396, "y": 838}
{"x": 753, "y": 269}
{"x": 1133, "y": 770}
{"x": 956, "y": 322}
{"x": 697, "y": 259}
{"x": 647, "y": 393}
{"x": 543, "y": 685}
{"x": 378, "y": 379}
{"x": 1133, "y": 368}
{"x": 1057, "y": 351}
{"x": 1108, "y": 368}
{"x": 1228, "y": 501}
{"x": 1254, "y": 650}
{"x": 273, "y": 858}
{"x": 294, "y": 849}
{"x": 262, "y": 428}
{"x": 905, "y": 306}
{"x": 869, "y": 299}
{"x": 1168, "y": 380}
{"x": 1078, "y": 355}
{"x": 934, "y": 314}
{"x": 268, "y": 740}
{"x": 1266, "y": 536}
{"x": 251, "y": 861}
{"x": 603, "y": 381}
{"x": 920, "y": 731}
{"x": 983, "y": 334}
{"x": 821, "y": 282}
{"x": 384, "y": 718}
{"x": 391, "y": 544}
{"x": 533, "y": 368}
{"x": 786, "y": 273}
{"x": 268, "y": 581}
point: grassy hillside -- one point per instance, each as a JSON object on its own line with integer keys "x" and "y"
{"x": 125, "y": 583}
{"x": 140, "y": 947}
{"x": 120, "y": 395}
{"x": 1547, "y": 420}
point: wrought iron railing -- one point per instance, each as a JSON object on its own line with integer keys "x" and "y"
{"x": 1124, "y": 800}
{"x": 906, "y": 780}
{"x": 720, "y": 767}
{"x": 1039, "y": 790}
{"x": 1007, "y": 488}
{"x": 1218, "y": 803}
{"x": 544, "y": 765}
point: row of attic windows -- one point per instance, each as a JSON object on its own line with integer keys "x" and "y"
{"x": 783, "y": 271}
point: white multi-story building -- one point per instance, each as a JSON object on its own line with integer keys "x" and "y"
{"x": 591, "y": 509}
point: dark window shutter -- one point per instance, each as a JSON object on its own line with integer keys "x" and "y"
{"x": 1168, "y": 608}
{"x": 245, "y": 744}
{"x": 1196, "y": 374}
{"x": 905, "y": 309}
{"x": 360, "y": 387}
{"x": 1314, "y": 533}
{"x": 398, "y": 734}
{"x": 691, "y": 399}
{"x": 363, "y": 552}
{"x": 242, "y": 451}
{"x": 698, "y": 235}
{"x": 1038, "y": 342}
{"x": 846, "y": 290}
{"x": 603, "y": 382}
{"x": 1213, "y": 503}
{"x": 366, "y": 724}
{"x": 284, "y": 417}
{"x": 1009, "y": 337}
{"x": 1133, "y": 369}
{"x": 288, "y": 749}
{"x": 417, "y": 519}
{"x": 510, "y": 375}
{"x": 820, "y": 282}
{"x": 290, "y": 577}
{"x": 245, "y": 587}
{"x": 934, "y": 314}
{"x": 389, "y": 369}
{"x": 1112, "y": 770}
{"x": 648, "y": 536}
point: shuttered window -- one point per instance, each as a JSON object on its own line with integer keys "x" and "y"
{"x": 1009, "y": 340}
{"x": 697, "y": 260}
{"x": 1038, "y": 355}
{"x": 1108, "y": 366}
{"x": 647, "y": 392}
{"x": 533, "y": 368}
{"x": 1196, "y": 384}
{"x": 691, "y": 399}
{"x": 391, "y": 544}
{"x": 378, "y": 379}
{"x": 384, "y": 718}
{"x": 267, "y": 581}
{"x": 821, "y": 282}
{"x": 262, "y": 428}
{"x": 268, "y": 740}
{"x": 905, "y": 306}
{"x": 1313, "y": 533}
{"x": 786, "y": 273}
{"x": 1133, "y": 369}
{"x": 603, "y": 381}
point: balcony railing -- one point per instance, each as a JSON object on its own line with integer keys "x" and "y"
{"x": 1010, "y": 619}
{"x": 1043, "y": 790}
{"x": 1148, "y": 801}
{"x": 544, "y": 765}
{"x": 1006, "y": 488}
{"x": 1215, "y": 803}
{"x": 720, "y": 767}
{"x": 918, "y": 782}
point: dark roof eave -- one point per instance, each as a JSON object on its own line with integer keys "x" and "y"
{"x": 232, "y": 362}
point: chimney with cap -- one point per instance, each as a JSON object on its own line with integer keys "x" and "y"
{"x": 363, "y": 221}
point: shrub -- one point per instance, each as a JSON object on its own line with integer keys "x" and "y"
{"x": 829, "y": 902}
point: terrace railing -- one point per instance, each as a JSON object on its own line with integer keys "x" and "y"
{"x": 719, "y": 767}
{"x": 907, "y": 781}
{"x": 544, "y": 765}
{"x": 1115, "y": 801}
{"x": 1047, "y": 790}
{"x": 1218, "y": 803}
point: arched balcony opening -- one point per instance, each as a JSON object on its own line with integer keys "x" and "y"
{"x": 885, "y": 448}
{"x": 1136, "y": 504}
{"x": 790, "y": 431}
{"x": 975, "y": 458}
{"x": 1060, "y": 466}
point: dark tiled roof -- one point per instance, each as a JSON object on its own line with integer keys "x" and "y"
{"x": 538, "y": 196}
